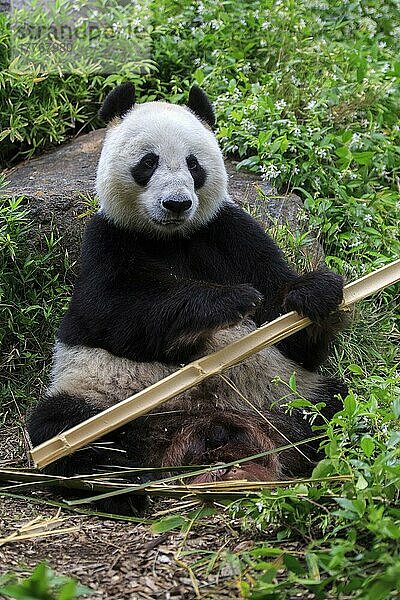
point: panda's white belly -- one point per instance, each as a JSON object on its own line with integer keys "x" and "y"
{"x": 105, "y": 379}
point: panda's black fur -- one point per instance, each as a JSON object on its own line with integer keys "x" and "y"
{"x": 153, "y": 296}
{"x": 162, "y": 292}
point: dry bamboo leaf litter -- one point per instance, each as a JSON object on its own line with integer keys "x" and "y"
{"x": 37, "y": 528}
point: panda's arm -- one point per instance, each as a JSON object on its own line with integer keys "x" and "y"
{"x": 151, "y": 319}
{"x": 316, "y": 294}
{"x": 128, "y": 302}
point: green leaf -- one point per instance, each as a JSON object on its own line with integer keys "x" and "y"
{"x": 368, "y": 445}
{"x": 355, "y": 506}
{"x": 284, "y": 144}
{"x": 313, "y": 568}
{"x": 361, "y": 483}
{"x": 266, "y": 551}
{"x": 361, "y": 70}
{"x": 169, "y": 523}
{"x": 355, "y": 369}
{"x": 396, "y": 407}
{"x": 68, "y": 591}
{"x": 198, "y": 76}
{"x": 396, "y": 68}
{"x": 292, "y": 382}
{"x": 393, "y": 440}
{"x": 293, "y": 564}
{"x": 250, "y": 162}
{"x": 346, "y": 136}
{"x": 323, "y": 469}
{"x": 350, "y": 404}
{"x": 363, "y": 158}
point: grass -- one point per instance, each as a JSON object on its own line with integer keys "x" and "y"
{"x": 307, "y": 95}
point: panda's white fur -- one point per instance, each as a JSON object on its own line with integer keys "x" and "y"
{"x": 172, "y": 132}
{"x": 107, "y": 379}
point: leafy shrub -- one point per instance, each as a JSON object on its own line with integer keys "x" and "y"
{"x": 49, "y": 97}
{"x": 42, "y": 584}
{"x": 33, "y": 294}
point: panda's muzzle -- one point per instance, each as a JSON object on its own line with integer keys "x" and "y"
{"x": 177, "y": 204}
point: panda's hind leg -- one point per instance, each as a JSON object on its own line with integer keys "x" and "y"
{"x": 59, "y": 412}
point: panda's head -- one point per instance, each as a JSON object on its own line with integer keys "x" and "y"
{"x": 161, "y": 170}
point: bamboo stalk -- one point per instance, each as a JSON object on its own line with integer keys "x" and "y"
{"x": 198, "y": 370}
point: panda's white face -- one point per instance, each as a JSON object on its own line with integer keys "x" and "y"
{"x": 161, "y": 171}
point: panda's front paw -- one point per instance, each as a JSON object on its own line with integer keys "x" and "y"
{"x": 315, "y": 295}
{"x": 241, "y": 301}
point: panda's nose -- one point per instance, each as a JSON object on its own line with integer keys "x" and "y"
{"x": 177, "y": 203}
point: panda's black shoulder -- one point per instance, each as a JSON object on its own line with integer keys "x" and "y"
{"x": 104, "y": 241}
{"x": 234, "y": 225}
{"x": 233, "y": 219}
{"x": 102, "y": 232}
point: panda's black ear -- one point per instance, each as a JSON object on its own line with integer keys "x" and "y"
{"x": 201, "y": 106}
{"x": 118, "y": 102}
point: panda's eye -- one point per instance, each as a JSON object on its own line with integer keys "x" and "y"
{"x": 149, "y": 161}
{"x": 197, "y": 172}
{"x": 192, "y": 163}
{"x": 144, "y": 169}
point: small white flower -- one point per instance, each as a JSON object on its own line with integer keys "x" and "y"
{"x": 248, "y": 125}
{"x": 321, "y": 152}
{"x": 280, "y": 104}
{"x": 312, "y": 104}
{"x": 368, "y": 218}
{"x": 355, "y": 141}
{"x": 265, "y": 25}
{"x": 297, "y": 132}
{"x": 356, "y": 243}
{"x": 382, "y": 44}
{"x": 260, "y": 506}
{"x": 269, "y": 172}
{"x": 215, "y": 24}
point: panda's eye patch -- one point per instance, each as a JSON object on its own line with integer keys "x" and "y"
{"x": 149, "y": 161}
{"x": 196, "y": 171}
{"x": 145, "y": 168}
{"x": 192, "y": 163}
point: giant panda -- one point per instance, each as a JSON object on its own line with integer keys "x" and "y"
{"x": 173, "y": 269}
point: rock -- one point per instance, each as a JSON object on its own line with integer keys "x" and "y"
{"x": 59, "y": 188}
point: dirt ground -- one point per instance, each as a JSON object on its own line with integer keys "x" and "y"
{"x": 117, "y": 559}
